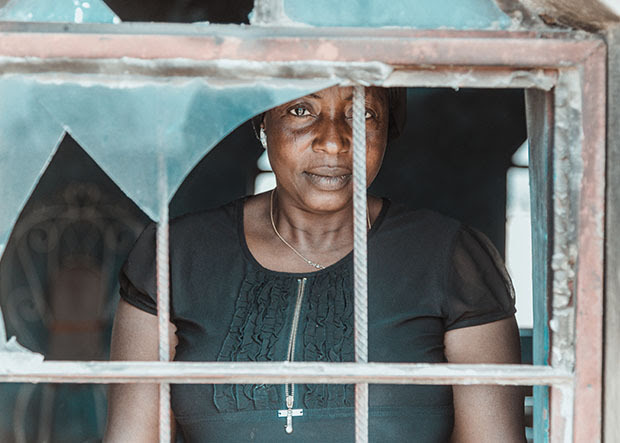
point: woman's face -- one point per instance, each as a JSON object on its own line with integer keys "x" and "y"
{"x": 310, "y": 146}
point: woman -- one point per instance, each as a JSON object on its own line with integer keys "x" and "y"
{"x": 269, "y": 278}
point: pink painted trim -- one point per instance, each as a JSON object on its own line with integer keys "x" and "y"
{"x": 591, "y": 243}
{"x": 397, "y": 47}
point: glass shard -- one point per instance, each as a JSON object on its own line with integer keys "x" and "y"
{"x": 29, "y": 139}
{"x": 125, "y": 128}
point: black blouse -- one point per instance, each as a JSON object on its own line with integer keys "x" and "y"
{"x": 427, "y": 274}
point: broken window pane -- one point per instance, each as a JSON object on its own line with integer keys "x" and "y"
{"x": 127, "y": 128}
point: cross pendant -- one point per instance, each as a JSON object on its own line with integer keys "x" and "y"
{"x": 289, "y": 414}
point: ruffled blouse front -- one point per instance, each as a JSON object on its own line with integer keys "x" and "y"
{"x": 262, "y": 317}
{"x": 427, "y": 274}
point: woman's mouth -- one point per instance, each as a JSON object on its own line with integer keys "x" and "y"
{"x": 328, "y": 182}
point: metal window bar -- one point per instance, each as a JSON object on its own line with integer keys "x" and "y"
{"x": 360, "y": 258}
{"x": 281, "y": 372}
{"x": 460, "y": 59}
{"x": 163, "y": 297}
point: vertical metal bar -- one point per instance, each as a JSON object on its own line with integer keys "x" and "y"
{"x": 163, "y": 297}
{"x": 360, "y": 259}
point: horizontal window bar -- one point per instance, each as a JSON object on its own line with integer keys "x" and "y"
{"x": 469, "y": 77}
{"x": 226, "y": 72}
{"x": 233, "y": 30}
{"x": 280, "y": 372}
{"x": 391, "y": 46}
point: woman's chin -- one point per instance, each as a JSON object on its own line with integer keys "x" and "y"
{"x": 328, "y": 201}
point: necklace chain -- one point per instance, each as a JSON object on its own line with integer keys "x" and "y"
{"x": 273, "y": 225}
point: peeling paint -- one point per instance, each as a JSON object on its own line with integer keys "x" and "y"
{"x": 568, "y": 170}
{"x": 131, "y": 70}
{"x": 567, "y": 410}
{"x": 328, "y": 51}
{"x": 17, "y": 354}
{"x": 567, "y": 182}
{"x": 590, "y": 15}
{"x": 271, "y": 13}
{"x": 539, "y": 77}
{"x": 79, "y": 15}
{"x": 455, "y": 78}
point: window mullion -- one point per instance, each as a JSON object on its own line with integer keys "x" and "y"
{"x": 14, "y": 370}
{"x": 163, "y": 296}
{"x": 360, "y": 257}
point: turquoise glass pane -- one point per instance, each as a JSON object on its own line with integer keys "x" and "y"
{"x": 420, "y": 14}
{"x": 72, "y": 11}
{"x": 126, "y": 130}
{"x": 29, "y": 136}
{"x": 129, "y": 130}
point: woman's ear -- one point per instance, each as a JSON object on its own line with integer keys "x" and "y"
{"x": 258, "y": 125}
{"x": 262, "y": 136}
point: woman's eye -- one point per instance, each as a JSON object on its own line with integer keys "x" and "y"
{"x": 299, "y": 111}
{"x": 369, "y": 114}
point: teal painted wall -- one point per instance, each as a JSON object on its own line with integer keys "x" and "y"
{"x": 420, "y": 14}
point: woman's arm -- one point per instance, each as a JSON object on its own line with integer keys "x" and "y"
{"x": 133, "y": 409}
{"x": 486, "y": 413}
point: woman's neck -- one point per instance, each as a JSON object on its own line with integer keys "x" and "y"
{"x": 312, "y": 231}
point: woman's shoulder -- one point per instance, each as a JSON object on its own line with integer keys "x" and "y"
{"x": 419, "y": 220}
{"x": 415, "y": 237}
{"x": 215, "y": 222}
{"x": 224, "y": 214}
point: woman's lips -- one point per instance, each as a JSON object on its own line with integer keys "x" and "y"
{"x": 328, "y": 182}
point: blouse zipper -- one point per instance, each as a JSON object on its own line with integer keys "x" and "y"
{"x": 289, "y": 412}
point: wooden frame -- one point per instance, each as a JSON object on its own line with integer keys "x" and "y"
{"x": 566, "y": 73}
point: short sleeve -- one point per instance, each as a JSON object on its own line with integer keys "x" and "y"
{"x": 479, "y": 289}
{"x": 137, "y": 276}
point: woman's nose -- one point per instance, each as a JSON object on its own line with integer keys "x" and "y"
{"x": 333, "y": 136}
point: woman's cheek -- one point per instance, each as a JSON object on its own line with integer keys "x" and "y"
{"x": 376, "y": 141}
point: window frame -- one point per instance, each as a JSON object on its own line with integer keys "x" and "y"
{"x": 565, "y": 77}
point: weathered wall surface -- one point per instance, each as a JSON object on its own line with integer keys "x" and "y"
{"x": 612, "y": 274}
{"x": 590, "y": 15}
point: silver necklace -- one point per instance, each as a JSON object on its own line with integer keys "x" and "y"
{"x": 273, "y": 225}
